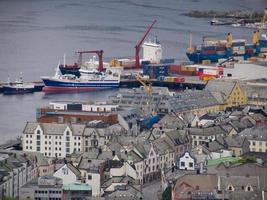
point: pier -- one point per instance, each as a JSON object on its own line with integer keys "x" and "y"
{"x": 190, "y": 83}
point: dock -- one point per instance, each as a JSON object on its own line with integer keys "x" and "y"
{"x": 191, "y": 82}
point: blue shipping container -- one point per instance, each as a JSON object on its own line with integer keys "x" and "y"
{"x": 167, "y": 61}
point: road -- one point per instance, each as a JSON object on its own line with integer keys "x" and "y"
{"x": 150, "y": 191}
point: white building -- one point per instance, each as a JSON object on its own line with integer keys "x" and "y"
{"x": 187, "y": 162}
{"x": 68, "y": 173}
{"x": 53, "y": 140}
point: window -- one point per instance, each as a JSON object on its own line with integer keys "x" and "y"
{"x": 182, "y": 164}
{"x": 260, "y": 143}
{"x": 67, "y": 133}
{"x": 89, "y": 177}
{"x": 38, "y": 137}
{"x": 26, "y": 136}
{"x": 38, "y": 132}
{"x": 38, "y": 149}
{"x": 190, "y": 164}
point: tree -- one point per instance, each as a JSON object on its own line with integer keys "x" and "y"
{"x": 167, "y": 194}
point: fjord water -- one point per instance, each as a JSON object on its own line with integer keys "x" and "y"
{"x": 34, "y": 35}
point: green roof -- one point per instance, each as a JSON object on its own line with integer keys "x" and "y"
{"x": 77, "y": 187}
{"x": 220, "y": 160}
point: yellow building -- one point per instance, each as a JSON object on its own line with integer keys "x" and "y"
{"x": 228, "y": 92}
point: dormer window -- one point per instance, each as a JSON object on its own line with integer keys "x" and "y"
{"x": 230, "y": 188}
{"x": 38, "y": 132}
{"x": 249, "y": 188}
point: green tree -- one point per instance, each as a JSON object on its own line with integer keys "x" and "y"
{"x": 167, "y": 194}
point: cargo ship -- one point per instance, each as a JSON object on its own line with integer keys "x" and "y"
{"x": 213, "y": 50}
{"x": 18, "y": 87}
{"x": 89, "y": 80}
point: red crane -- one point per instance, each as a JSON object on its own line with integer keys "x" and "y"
{"x": 137, "y": 47}
{"x": 100, "y": 58}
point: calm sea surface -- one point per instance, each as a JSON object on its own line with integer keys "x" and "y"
{"x": 34, "y": 35}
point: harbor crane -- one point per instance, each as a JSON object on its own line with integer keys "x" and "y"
{"x": 138, "y": 45}
{"x": 148, "y": 90}
{"x": 99, "y": 54}
{"x": 256, "y": 33}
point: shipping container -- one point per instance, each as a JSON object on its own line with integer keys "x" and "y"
{"x": 74, "y": 106}
{"x": 179, "y": 79}
{"x": 167, "y": 61}
{"x": 206, "y": 62}
{"x": 145, "y": 62}
{"x": 175, "y": 69}
{"x": 188, "y": 68}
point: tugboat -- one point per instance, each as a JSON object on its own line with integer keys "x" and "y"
{"x": 18, "y": 87}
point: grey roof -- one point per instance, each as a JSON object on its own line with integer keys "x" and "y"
{"x": 241, "y": 125}
{"x": 30, "y": 127}
{"x": 171, "y": 121}
{"x": 127, "y": 192}
{"x": 161, "y": 146}
{"x": 255, "y": 133}
{"x": 117, "y": 179}
{"x": 178, "y": 137}
{"x": 240, "y": 181}
{"x": 54, "y": 128}
{"x": 207, "y": 131}
{"x": 235, "y": 141}
{"x": 223, "y": 86}
{"x": 192, "y": 99}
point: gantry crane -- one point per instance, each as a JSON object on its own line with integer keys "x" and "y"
{"x": 138, "y": 45}
{"x": 148, "y": 90}
{"x": 100, "y": 58}
{"x": 256, "y": 33}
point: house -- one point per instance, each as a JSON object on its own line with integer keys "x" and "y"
{"x": 195, "y": 186}
{"x": 257, "y": 137}
{"x": 42, "y": 188}
{"x": 92, "y": 173}
{"x": 150, "y": 159}
{"x": 245, "y": 170}
{"x": 187, "y": 162}
{"x": 193, "y": 102}
{"x": 178, "y": 140}
{"x": 228, "y": 92}
{"x": 16, "y": 169}
{"x": 52, "y": 139}
{"x": 238, "y": 145}
{"x": 204, "y": 135}
{"x": 77, "y": 191}
{"x": 129, "y": 120}
{"x": 68, "y": 174}
{"x": 96, "y": 136}
{"x": 170, "y": 122}
{"x": 125, "y": 193}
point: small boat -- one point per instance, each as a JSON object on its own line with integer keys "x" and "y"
{"x": 18, "y": 87}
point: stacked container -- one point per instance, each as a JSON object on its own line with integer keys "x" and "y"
{"x": 155, "y": 71}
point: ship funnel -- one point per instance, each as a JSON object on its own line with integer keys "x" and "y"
{"x": 256, "y": 37}
{"x": 190, "y": 49}
{"x": 229, "y": 40}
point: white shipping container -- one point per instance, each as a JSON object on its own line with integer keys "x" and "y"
{"x": 263, "y": 50}
{"x": 212, "y": 72}
{"x": 58, "y": 105}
